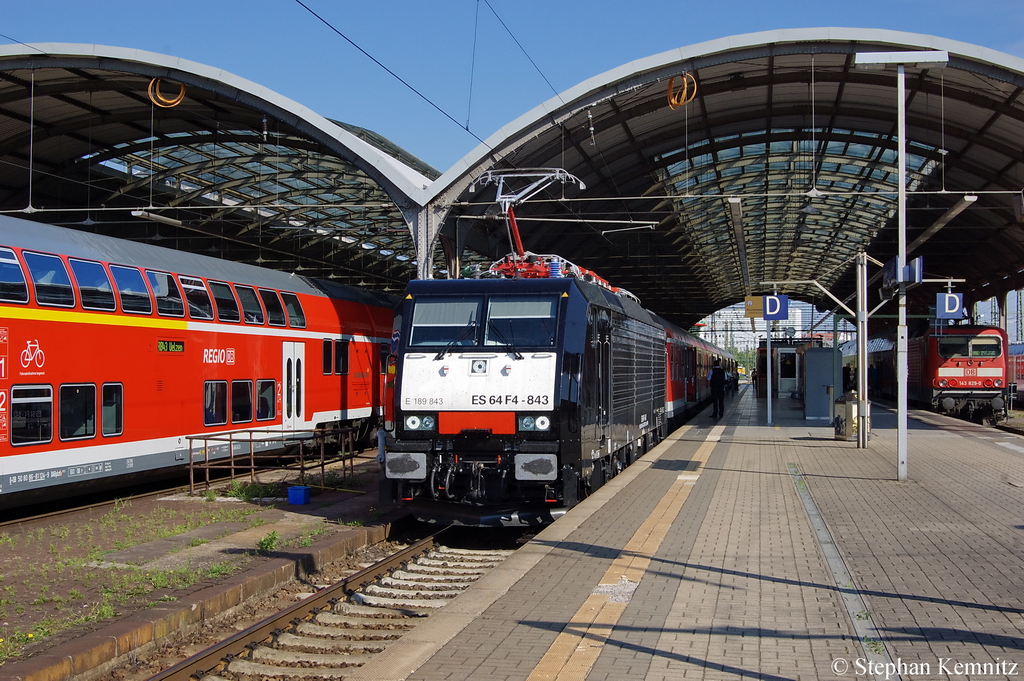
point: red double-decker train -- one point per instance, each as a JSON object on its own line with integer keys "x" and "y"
{"x": 113, "y": 353}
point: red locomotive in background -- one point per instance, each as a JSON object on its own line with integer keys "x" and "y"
{"x": 957, "y": 370}
{"x": 113, "y": 352}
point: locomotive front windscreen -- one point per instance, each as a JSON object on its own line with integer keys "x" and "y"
{"x": 965, "y": 347}
{"x": 450, "y": 320}
{"x": 515, "y": 320}
{"x": 522, "y": 321}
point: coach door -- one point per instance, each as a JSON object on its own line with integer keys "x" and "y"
{"x": 293, "y": 385}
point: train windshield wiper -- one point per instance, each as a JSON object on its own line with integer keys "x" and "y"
{"x": 501, "y": 337}
{"x": 461, "y": 337}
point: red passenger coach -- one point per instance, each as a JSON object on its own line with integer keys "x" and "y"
{"x": 689, "y": 361}
{"x": 113, "y": 352}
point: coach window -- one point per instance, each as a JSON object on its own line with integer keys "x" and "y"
{"x": 113, "y": 409}
{"x": 275, "y": 313}
{"x": 132, "y": 289}
{"x": 50, "y": 280}
{"x": 341, "y": 357}
{"x": 266, "y": 400}
{"x": 77, "y": 412}
{"x": 288, "y": 393}
{"x": 298, "y": 388}
{"x": 296, "y": 318}
{"x": 31, "y": 414}
{"x": 328, "y": 356}
{"x": 215, "y": 403}
{"x": 168, "y": 295}
{"x": 199, "y": 305}
{"x": 250, "y": 305}
{"x": 12, "y": 280}
{"x": 94, "y": 288}
{"x": 227, "y": 308}
{"x": 241, "y": 401}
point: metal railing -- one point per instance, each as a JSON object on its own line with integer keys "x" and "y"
{"x": 269, "y": 449}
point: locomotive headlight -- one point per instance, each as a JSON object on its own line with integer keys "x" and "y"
{"x": 943, "y": 383}
{"x": 419, "y": 422}
{"x": 999, "y": 383}
{"x": 534, "y": 423}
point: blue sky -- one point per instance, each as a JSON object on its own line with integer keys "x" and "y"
{"x": 430, "y": 44}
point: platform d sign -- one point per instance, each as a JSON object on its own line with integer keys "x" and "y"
{"x": 776, "y": 307}
{"x": 949, "y": 305}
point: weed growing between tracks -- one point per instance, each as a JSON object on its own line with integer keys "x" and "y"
{"x": 50, "y": 580}
{"x": 52, "y": 588}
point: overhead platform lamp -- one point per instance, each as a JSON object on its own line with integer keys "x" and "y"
{"x": 156, "y": 217}
{"x": 930, "y": 59}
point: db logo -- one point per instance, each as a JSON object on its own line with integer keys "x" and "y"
{"x": 219, "y": 356}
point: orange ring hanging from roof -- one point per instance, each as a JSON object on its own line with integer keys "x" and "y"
{"x": 163, "y": 102}
{"x": 683, "y": 96}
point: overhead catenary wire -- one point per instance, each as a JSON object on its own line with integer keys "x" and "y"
{"x": 33, "y": 47}
{"x": 392, "y": 73}
{"x": 472, "y": 63}
{"x": 420, "y": 94}
{"x": 501, "y": 21}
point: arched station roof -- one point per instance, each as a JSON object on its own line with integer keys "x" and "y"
{"x": 87, "y": 136}
{"x": 781, "y": 168}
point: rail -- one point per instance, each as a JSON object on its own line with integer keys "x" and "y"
{"x": 220, "y": 451}
{"x": 210, "y": 659}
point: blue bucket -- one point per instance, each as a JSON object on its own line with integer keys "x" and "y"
{"x": 298, "y": 495}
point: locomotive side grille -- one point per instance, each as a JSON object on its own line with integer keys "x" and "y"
{"x": 638, "y": 370}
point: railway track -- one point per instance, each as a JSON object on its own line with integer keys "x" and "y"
{"x": 346, "y": 624}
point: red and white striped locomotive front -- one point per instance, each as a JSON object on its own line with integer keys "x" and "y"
{"x": 967, "y": 367}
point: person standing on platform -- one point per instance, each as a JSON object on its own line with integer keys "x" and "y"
{"x": 717, "y": 379}
{"x": 753, "y": 381}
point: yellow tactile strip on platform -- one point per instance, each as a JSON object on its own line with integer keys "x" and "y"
{"x": 574, "y": 652}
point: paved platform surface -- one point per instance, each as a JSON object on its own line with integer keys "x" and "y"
{"x": 741, "y": 550}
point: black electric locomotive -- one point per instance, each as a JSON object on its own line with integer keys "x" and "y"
{"x": 514, "y": 398}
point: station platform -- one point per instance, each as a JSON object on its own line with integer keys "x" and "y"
{"x": 735, "y": 549}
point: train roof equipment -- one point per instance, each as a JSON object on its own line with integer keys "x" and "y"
{"x": 523, "y": 264}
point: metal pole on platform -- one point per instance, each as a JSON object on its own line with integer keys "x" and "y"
{"x": 925, "y": 60}
{"x": 768, "y": 354}
{"x": 862, "y": 350}
{"x": 901, "y": 329}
